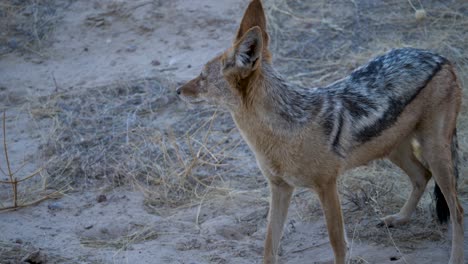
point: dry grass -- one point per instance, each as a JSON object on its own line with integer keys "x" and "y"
{"x": 121, "y": 243}
{"x": 26, "y": 25}
{"x": 124, "y": 133}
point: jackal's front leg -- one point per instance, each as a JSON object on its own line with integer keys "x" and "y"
{"x": 331, "y": 206}
{"x": 280, "y": 197}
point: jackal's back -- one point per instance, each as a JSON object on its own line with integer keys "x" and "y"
{"x": 370, "y": 100}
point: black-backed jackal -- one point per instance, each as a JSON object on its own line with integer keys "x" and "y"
{"x": 306, "y": 137}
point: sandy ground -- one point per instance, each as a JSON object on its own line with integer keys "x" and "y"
{"x": 98, "y": 43}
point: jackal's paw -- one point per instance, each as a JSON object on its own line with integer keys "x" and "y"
{"x": 457, "y": 257}
{"x": 269, "y": 261}
{"x": 393, "y": 220}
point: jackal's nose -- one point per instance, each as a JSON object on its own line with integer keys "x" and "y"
{"x": 178, "y": 90}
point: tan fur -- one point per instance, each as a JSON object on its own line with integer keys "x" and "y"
{"x": 302, "y": 158}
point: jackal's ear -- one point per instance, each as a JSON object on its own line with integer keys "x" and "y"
{"x": 245, "y": 55}
{"x": 254, "y": 16}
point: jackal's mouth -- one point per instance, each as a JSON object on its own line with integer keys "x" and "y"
{"x": 194, "y": 101}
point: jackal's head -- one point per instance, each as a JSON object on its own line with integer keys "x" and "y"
{"x": 227, "y": 79}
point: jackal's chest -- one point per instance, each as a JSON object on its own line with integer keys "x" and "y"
{"x": 275, "y": 155}
{"x": 298, "y": 157}
{"x": 294, "y": 169}
{"x": 290, "y": 161}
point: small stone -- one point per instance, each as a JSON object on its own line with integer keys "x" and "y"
{"x": 189, "y": 66}
{"x": 100, "y": 23}
{"x": 217, "y": 260}
{"x": 19, "y": 241}
{"x": 37, "y": 61}
{"x": 88, "y": 227}
{"x": 147, "y": 27}
{"x": 131, "y": 48}
{"x": 420, "y": 14}
{"x": 55, "y": 206}
{"x": 86, "y": 49}
{"x": 155, "y": 63}
{"x": 36, "y": 257}
{"x": 101, "y": 198}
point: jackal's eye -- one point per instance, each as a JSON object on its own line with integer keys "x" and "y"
{"x": 203, "y": 78}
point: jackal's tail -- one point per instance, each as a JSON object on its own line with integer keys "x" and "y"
{"x": 442, "y": 210}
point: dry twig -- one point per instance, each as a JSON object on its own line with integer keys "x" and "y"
{"x": 14, "y": 181}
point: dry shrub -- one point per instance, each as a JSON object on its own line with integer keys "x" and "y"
{"x": 26, "y": 25}
{"x": 137, "y": 132}
{"x": 21, "y": 184}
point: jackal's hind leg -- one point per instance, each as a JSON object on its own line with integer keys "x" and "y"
{"x": 440, "y": 162}
{"x": 404, "y": 157}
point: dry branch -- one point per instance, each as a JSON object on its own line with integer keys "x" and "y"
{"x": 14, "y": 181}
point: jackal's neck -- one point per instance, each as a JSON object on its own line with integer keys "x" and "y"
{"x": 283, "y": 104}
